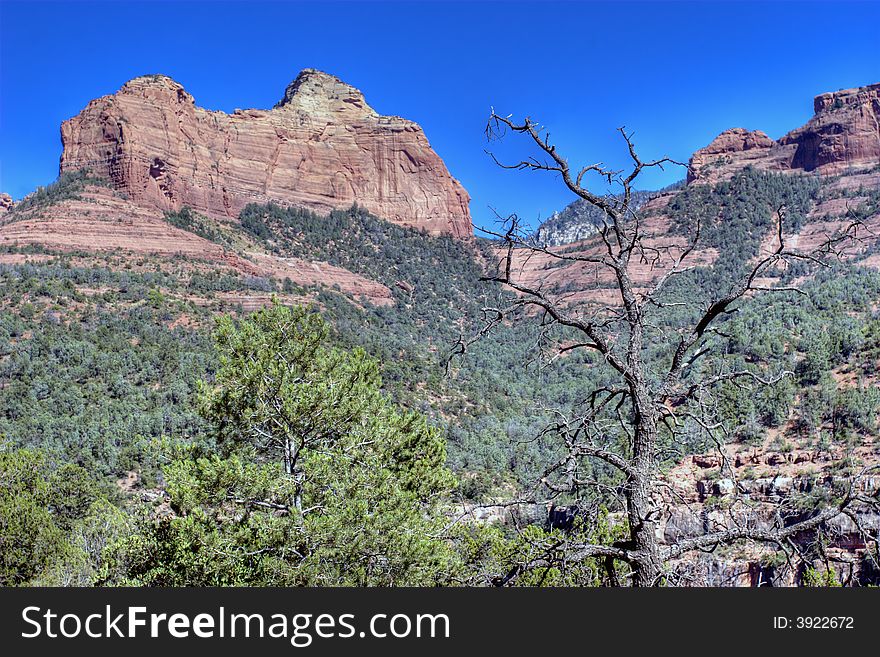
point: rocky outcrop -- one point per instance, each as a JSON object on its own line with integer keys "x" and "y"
{"x": 738, "y": 140}
{"x": 759, "y": 487}
{"x": 733, "y": 150}
{"x": 6, "y": 203}
{"x": 843, "y": 135}
{"x": 842, "y": 138}
{"x": 321, "y": 147}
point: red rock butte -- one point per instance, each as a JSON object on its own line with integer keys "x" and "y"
{"x": 321, "y": 147}
{"x": 842, "y": 136}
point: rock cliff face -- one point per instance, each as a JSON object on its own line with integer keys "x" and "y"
{"x": 843, "y": 135}
{"x": 320, "y": 147}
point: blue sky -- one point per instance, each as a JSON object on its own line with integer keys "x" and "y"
{"x": 676, "y": 73}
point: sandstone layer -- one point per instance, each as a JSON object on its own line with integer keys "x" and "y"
{"x": 103, "y": 222}
{"x": 843, "y": 135}
{"x": 321, "y": 147}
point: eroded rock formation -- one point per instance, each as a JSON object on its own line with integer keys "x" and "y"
{"x": 843, "y": 135}
{"x": 6, "y": 203}
{"x": 321, "y": 147}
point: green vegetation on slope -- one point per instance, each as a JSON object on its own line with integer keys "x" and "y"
{"x": 99, "y": 369}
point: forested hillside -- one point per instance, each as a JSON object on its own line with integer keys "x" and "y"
{"x": 109, "y": 376}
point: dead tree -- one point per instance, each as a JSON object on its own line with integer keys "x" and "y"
{"x": 645, "y": 402}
